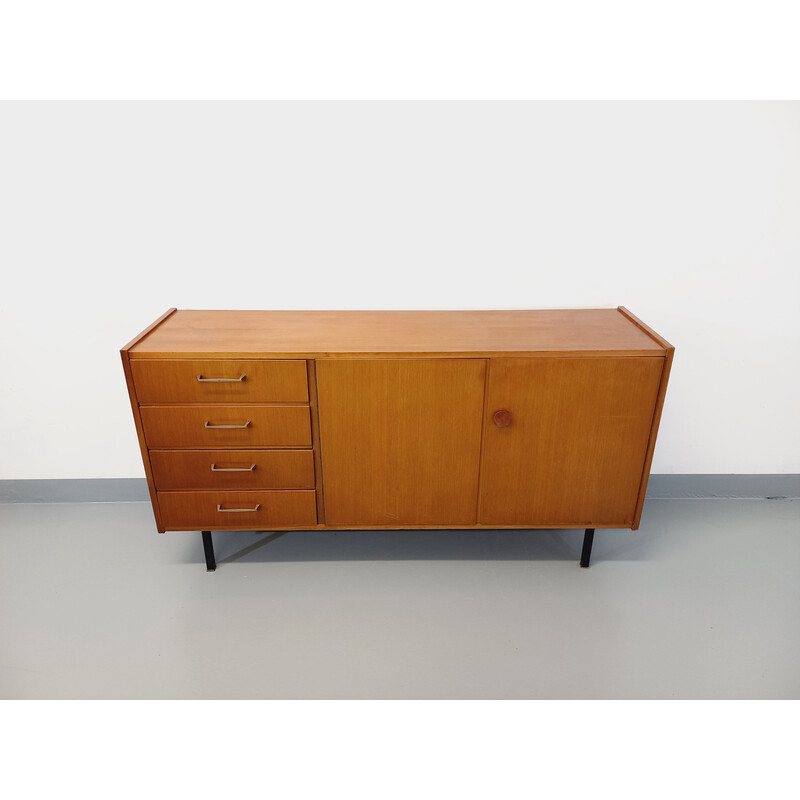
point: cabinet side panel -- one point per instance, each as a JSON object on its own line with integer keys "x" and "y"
{"x": 651, "y": 446}
{"x": 400, "y": 440}
{"x": 137, "y": 418}
{"x": 574, "y": 441}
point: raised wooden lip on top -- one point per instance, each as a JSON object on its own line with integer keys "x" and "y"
{"x": 484, "y": 333}
{"x": 151, "y": 327}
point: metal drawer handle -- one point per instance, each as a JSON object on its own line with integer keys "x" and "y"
{"x": 227, "y": 510}
{"x": 215, "y": 468}
{"x": 201, "y": 379}
{"x": 246, "y": 425}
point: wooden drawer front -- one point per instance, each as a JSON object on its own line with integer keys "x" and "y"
{"x": 201, "y": 510}
{"x": 186, "y": 426}
{"x": 176, "y": 381}
{"x": 232, "y": 469}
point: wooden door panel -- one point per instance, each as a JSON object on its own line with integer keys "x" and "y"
{"x": 572, "y": 449}
{"x": 400, "y": 440}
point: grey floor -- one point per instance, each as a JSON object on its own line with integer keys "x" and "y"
{"x": 702, "y": 602}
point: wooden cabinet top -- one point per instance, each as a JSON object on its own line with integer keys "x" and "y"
{"x": 308, "y": 334}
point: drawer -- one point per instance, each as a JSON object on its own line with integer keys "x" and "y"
{"x": 219, "y": 381}
{"x": 232, "y": 469}
{"x": 215, "y": 511}
{"x": 200, "y": 426}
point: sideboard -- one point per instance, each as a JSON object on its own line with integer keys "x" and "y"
{"x": 330, "y": 420}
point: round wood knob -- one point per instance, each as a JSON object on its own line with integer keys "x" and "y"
{"x": 502, "y": 418}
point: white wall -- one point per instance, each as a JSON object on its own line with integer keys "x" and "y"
{"x": 686, "y": 213}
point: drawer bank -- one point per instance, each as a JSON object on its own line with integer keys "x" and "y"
{"x": 331, "y": 420}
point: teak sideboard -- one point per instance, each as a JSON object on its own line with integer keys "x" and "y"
{"x": 330, "y": 420}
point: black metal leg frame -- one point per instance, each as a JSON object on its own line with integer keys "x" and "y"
{"x": 208, "y": 547}
{"x": 211, "y": 564}
{"x": 586, "y": 553}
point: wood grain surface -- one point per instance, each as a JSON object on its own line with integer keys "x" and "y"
{"x": 577, "y": 444}
{"x": 317, "y": 450}
{"x": 651, "y": 445}
{"x": 395, "y": 419}
{"x": 271, "y": 469}
{"x": 237, "y": 334}
{"x": 175, "y": 381}
{"x": 137, "y": 420}
{"x": 184, "y": 426}
{"x": 400, "y": 439}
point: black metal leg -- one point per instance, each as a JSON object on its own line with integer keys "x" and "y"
{"x": 586, "y": 553}
{"x": 208, "y": 547}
